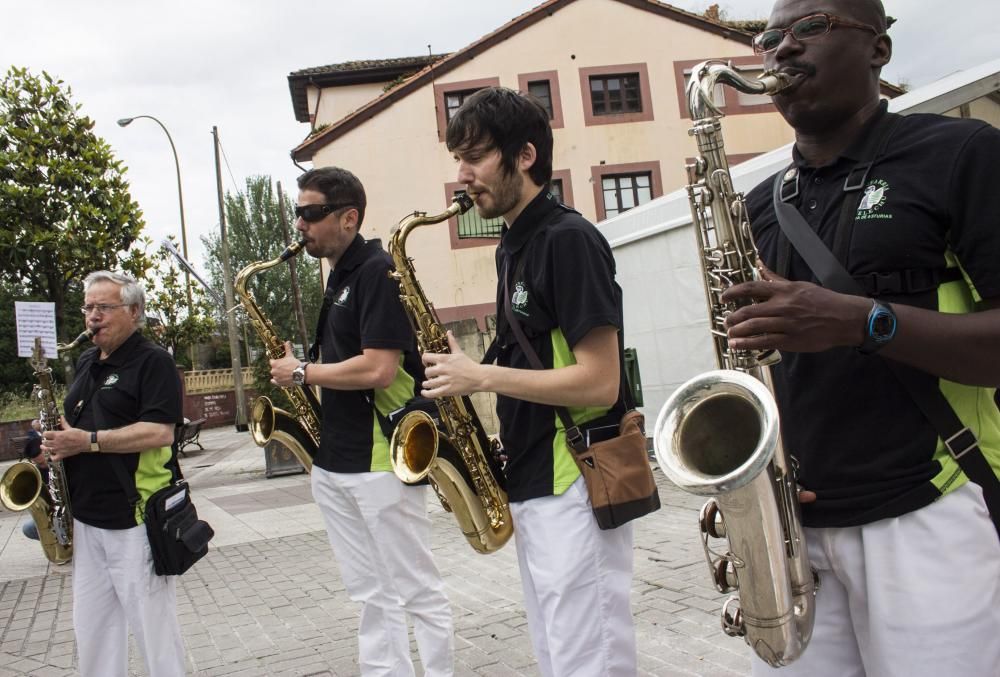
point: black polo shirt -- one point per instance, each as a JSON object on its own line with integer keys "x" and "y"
{"x": 932, "y": 201}
{"x": 366, "y": 313}
{"x": 137, "y": 382}
{"x": 561, "y": 279}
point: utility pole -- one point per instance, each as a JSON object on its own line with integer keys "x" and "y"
{"x": 296, "y": 291}
{"x": 234, "y": 341}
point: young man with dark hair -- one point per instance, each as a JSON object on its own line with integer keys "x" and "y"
{"x": 557, "y": 273}
{"x": 907, "y": 556}
{"x": 377, "y": 526}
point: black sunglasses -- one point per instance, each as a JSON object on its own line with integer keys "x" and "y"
{"x": 314, "y": 213}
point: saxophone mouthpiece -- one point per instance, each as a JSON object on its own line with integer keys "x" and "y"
{"x": 84, "y": 336}
{"x": 464, "y": 202}
{"x": 292, "y": 249}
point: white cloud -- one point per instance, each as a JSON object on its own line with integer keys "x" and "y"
{"x": 225, "y": 63}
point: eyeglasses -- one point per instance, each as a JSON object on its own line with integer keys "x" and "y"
{"x": 100, "y": 307}
{"x": 314, "y": 213}
{"x": 806, "y": 28}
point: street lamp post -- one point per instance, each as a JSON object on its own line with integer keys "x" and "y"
{"x": 125, "y": 122}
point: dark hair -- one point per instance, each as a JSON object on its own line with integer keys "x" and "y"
{"x": 338, "y": 186}
{"x": 505, "y": 120}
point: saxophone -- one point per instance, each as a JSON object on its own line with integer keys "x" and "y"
{"x": 21, "y": 485}
{"x": 299, "y": 432}
{"x": 460, "y": 461}
{"x": 718, "y": 434}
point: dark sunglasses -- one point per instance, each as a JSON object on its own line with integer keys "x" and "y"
{"x": 314, "y": 213}
{"x": 806, "y": 28}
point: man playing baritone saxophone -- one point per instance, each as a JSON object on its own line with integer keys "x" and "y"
{"x": 121, "y": 409}
{"x": 908, "y": 559}
{"x": 576, "y": 577}
{"x": 378, "y": 527}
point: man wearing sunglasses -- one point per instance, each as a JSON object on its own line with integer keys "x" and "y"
{"x": 897, "y": 522}
{"x": 377, "y": 526}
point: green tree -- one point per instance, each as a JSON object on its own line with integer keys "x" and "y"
{"x": 255, "y": 233}
{"x": 171, "y": 325}
{"x": 65, "y": 207}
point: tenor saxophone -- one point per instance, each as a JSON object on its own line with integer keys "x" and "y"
{"x": 299, "y": 432}
{"x": 21, "y": 486}
{"x": 718, "y": 434}
{"x": 460, "y": 462}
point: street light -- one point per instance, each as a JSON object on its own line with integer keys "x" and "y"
{"x": 125, "y": 122}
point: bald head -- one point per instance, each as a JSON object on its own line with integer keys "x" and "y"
{"x": 870, "y": 12}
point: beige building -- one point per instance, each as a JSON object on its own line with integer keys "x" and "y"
{"x": 611, "y": 72}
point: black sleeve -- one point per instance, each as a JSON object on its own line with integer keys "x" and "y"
{"x": 33, "y": 446}
{"x": 383, "y": 321}
{"x": 581, "y": 274}
{"x": 975, "y": 211}
{"x": 160, "y": 399}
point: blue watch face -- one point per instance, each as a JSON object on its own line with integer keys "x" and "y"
{"x": 882, "y": 325}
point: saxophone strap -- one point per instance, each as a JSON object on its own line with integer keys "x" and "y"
{"x": 831, "y": 273}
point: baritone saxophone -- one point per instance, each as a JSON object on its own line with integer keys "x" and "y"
{"x": 718, "y": 434}
{"x": 460, "y": 462}
{"x": 21, "y": 487}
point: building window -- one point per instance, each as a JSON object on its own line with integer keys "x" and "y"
{"x": 449, "y": 97}
{"x": 612, "y": 94}
{"x": 556, "y": 188}
{"x": 624, "y": 191}
{"x": 616, "y": 94}
{"x": 471, "y": 224}
{"x": 454, "y": 100}
{"x": 620, "y": 187}
{"x": 540, "y": 90}
{"x": 544, "y": 85}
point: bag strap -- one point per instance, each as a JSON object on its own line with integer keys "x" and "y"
{"x": 959, "y": 440}
{"x": 574, "y": 436}
{"x": 324, "y": 311}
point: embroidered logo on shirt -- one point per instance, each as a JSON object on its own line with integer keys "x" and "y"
{"x": 342, "y": 299}
{"x": 519, "y": 299}
{"x": 873, "y": 200}
{"x": 110, "y": 381}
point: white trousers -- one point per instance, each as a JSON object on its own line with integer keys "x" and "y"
{"x": 114, "y": 590}
{"x": 379, "y": 531}
{"x": 911, "y": 596}
{"x": 576, "y": 580}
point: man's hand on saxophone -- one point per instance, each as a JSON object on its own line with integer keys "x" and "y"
{"x": 452, "y": 374}
{"x": 799, "y": 317}
{"x": 281, "y": 369}
{"x": 68, "y": 441}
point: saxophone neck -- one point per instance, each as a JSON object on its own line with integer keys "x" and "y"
{"x": 397, "y": 242}
{"x": 243, "y": 277}
{"x": 706, "y": 75}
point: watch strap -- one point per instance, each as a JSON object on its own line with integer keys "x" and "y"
{"x": 95, "y": 446}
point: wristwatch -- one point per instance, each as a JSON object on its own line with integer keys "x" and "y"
{"x": 94, "y": 444}
{"x": 880, "y": 327}
{"x": 299, "y": 374}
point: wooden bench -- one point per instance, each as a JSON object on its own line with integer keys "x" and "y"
{"x": 188, "y": 433}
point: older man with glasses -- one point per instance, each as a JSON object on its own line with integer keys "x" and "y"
{"x": 890, "y": 367}
{"x": 116, "y": 442}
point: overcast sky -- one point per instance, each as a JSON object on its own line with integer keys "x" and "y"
{"x": 195, "y": 64}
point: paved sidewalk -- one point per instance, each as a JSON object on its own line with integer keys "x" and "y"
{"x": 268, "y": 599}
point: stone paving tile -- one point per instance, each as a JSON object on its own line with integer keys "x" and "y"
{"x": 268, "y": 599}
